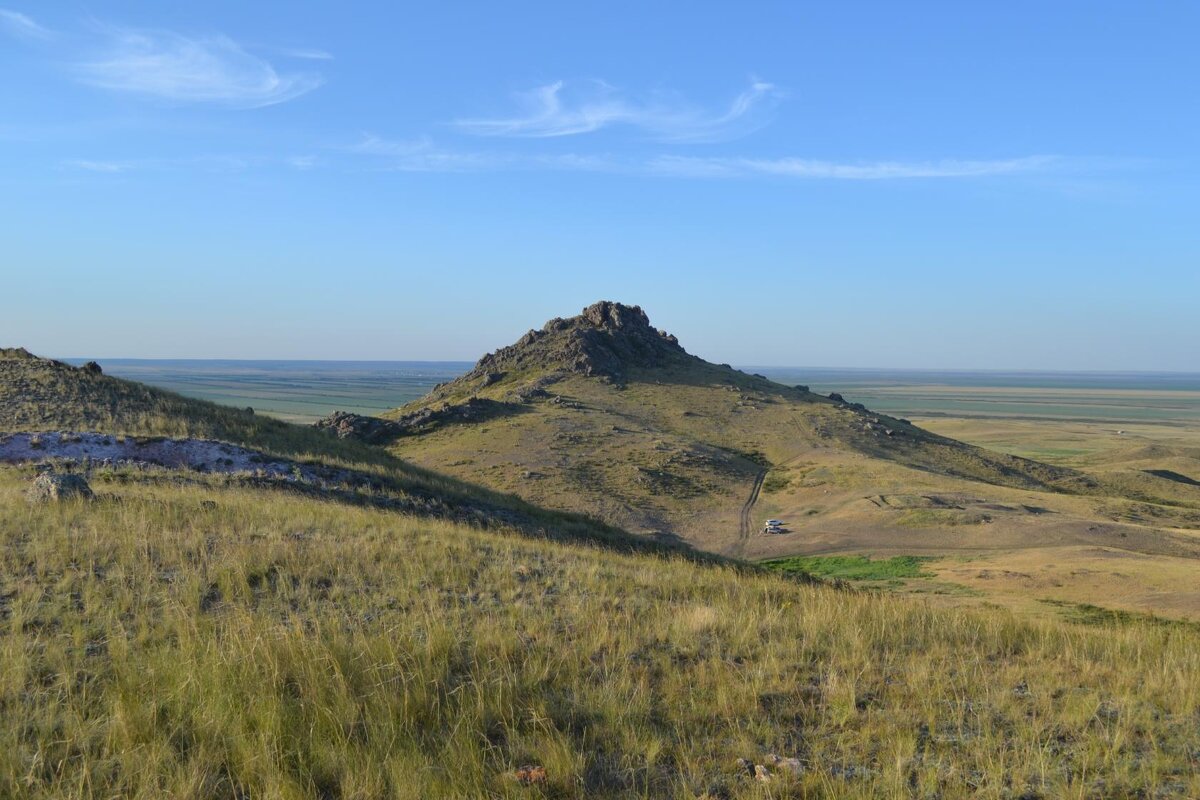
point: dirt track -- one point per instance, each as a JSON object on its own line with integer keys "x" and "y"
{"x": 748, "y": 509}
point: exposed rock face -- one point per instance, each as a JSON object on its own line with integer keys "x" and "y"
{"x": 92, "y": 368}
{"x": 605, "y": 340}
{"x": 49, "y": 487}
{"x": 374, "y": 430}
{"x": 345, "y": 425}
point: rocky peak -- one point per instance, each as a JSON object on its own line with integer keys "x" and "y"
{"x": 605, "y": 340}
{"x": 614, "y": 316}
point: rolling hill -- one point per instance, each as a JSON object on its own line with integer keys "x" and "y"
{"x": 605, "y": 414}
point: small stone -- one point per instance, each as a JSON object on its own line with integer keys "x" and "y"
{"x": 531, "y": 774}
{"x": 792, "y": 765}
{"x": 761, "y": 774}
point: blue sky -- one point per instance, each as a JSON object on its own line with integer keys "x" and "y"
{"x": 1009, "y": 185}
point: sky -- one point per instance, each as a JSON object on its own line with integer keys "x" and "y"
{"x": 936, "y": 185}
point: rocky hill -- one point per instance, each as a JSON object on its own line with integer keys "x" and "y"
{"x": 604, "y": 413}
{"x": 607, "y": 340}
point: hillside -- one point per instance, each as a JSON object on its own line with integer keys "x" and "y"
{"x": 334, "y": 623}
{"x": 203, "y": 640}
{"x": 603, "y": 413}
{"x": 51, "y": 411}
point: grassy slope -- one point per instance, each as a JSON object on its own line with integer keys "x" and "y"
{"x": 156, "y": 645}
{"x": 38, "y": 394}
{"x": 678, "y": 450}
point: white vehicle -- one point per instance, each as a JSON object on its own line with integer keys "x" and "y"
{"x": 774, "y": 523}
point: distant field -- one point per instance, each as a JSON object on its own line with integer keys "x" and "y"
{"x": 303, "y": 391}
{"x": 298, "y": 391}
{"x": 1122, "y": 397}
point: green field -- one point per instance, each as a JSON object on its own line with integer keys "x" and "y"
{"x": 852, "y": 568}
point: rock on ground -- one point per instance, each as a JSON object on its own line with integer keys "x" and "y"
{"x": 50, "y": 487}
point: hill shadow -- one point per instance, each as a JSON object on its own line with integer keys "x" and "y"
{"x": 1171, "y": 475}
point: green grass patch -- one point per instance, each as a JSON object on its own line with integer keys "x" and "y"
{"x": 776, "y": 481}
{"x": 853, "y": 568}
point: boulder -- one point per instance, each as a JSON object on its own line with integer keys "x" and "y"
{"x": 346, "y": 425}
{"x": 92, "y": 368}
{"x": 50, "y": 487}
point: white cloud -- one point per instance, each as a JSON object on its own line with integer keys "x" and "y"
{"x": 172, "y": 67}
{"x": 20, "y": 24}
{"x": 558, "y": 110}
{"x": 832, "y": 170}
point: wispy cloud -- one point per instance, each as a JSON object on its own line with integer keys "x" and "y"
{"x": 559, "y": 110}
{"x": 216, "y": 163}
{"x": 422, "y": 155}
{"x": 18, "y": 24}
{"x": 170, "y": 66}
{"x": 686, "y": 166}
{"x": 373, "y": 145}
{"x": 97, "y": 166}
{"x": 309, "y": 54}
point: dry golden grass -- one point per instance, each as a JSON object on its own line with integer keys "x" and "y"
{"x": 202, "y": 642}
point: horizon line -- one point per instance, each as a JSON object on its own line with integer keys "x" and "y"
{"x": 742, "y": 367}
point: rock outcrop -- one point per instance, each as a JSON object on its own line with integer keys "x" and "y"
{"x": 374, "y": 430}
{"x": 49, "y": 487}
{"x": 345, "y": 425}
{"x": 606, "y": 340}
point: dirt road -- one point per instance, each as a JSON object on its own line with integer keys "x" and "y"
{"x": 747, "y": 510}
